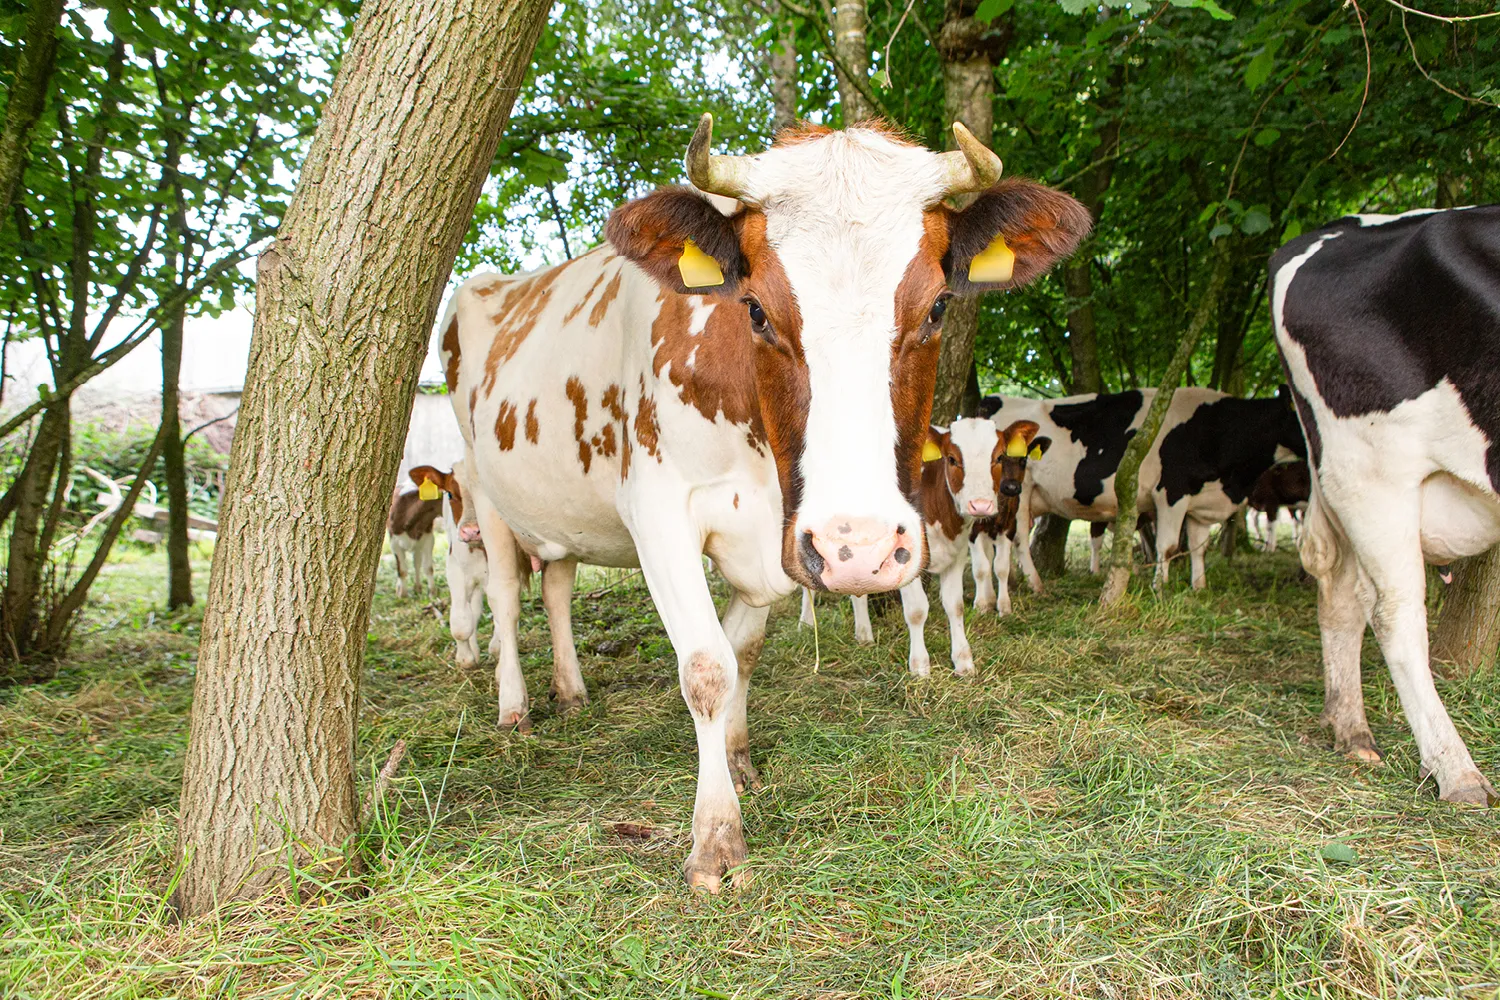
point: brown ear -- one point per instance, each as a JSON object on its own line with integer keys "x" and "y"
{"x": 1018, "y": 437}
{"x": 1041, "y": 226}
{"x": 427, "y": 474}
{"x": 932, "y": 448}
{"x": 652, "y": 231}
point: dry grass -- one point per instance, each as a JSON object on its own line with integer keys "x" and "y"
{"x": 1128, "y": 807}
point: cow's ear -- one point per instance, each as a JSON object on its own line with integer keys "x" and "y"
{"x": 1018, "y": 436}
{"x": 1011, "y": 234}
{"x": 425, "y": 474}
{"x": 675, "y": 235}
{"x": 1039, "y": 447}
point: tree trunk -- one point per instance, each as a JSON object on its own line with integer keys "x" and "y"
{"x": 967, "y": 49}
{"x": 1049, "y": 545}
{"x": 179, "y": 566}
{"x": 28, "y": 94}
{"x": 851, "y": 60}
{"x": 783, "y": 71}
{"x": 1078, "y": 273}
{"x": 1468, "y": 627}
{"x": 1127, "y": 477}
{"x": 20, "y": 603}
{"x": 345, "y": 299}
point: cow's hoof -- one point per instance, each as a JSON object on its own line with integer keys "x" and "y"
{"x": 964, "y": 666}
{"x": 517, "y": 720}
{"x": 865, "y": 638}
{"x": 570, "y": 706}
{"x": 1358, "y": 746}
{"x": 1471, "y": 789}
{"x": 706, "y": 867}
{"x": 743, "y": 772}
{"x": 984, "y": 607}
{"x": 920, "y": 667}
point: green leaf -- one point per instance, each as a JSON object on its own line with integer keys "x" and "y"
{"x": 1215, "y": 11}
{"x": 1073, "y": 6}
{"x": 1208, "y": 211}
{"x": 1256, "y": 221}
{"x": 1266, "y": 136}
{"x": 1342, "y": 853}
{"x": 882, "y": 79}
{"x": 1292, "y": 231}
{"x": 988, "y": 10}
{"x": 1222, "y": 229}
{"x": 1259, "y": 70}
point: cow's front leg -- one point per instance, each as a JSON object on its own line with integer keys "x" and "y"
{"x": 745, "y": 627}
{"x": 425, "y": 571}
{"x": 951, "y": 592}
{"x": 1197, "y": 534}
{"x": 503, "y": 588}
{"x": 464, "y": 608}
{"x": 568, "y": 690}
{"x": 670, "y": 547}
{"x": 1023, "y": 546}
{"x": 981, "y": 559}
{"x": 1096, "y": 546}
{"x": 914, "y": 606}
{"x": 400, "y": 567}
{"x": 1002, "y": 575}
{"x": 864, "y": 634}
{"x": 1168, "y": 537}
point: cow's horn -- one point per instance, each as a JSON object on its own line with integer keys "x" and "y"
{"x": 725, "y": 175}
{"x": 970, "y": 168}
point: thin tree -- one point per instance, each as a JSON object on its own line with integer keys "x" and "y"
{"x": 1127, "y": 477}
{"x": 27, "y": 94}
{"x": 782, "y": 62}
{"x": 345, "y": 298}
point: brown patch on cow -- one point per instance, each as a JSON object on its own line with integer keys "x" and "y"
{"x": 647, "y": 427}
{"x": 578, "y": 306}
{"x": 473, "y": 401}
{"x": 935, "y": 498}
{"x": 624, "y": 452}
{"x": 515, "y": 317}
{"x": 736, "y": 501}
{"x": 578, "y": 396}
{"x": 914, "y": 352}
{"x": 505, "y": 425}
{"x": 533, "y": 429}
{"x": 710, "y": 369}
{"x": 487, "y": 289}
{"x": 412, "y": 516}
{"x": 613, "y": 402}
{"x": 604, "y": 441}
{"x": 799, "y": 132}
{"x": 704, "y": 685}
{"x": 450, "y": 348}
{"x": 601, "y": 308}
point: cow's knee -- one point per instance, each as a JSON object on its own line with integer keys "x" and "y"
{"x": 706, "y": 684}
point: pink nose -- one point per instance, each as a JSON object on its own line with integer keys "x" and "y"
{"x": 981, "y": 508}
{"x": 859, "y": 555}
{"x": 468, "y": 532}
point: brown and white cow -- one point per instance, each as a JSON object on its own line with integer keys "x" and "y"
{"x": 973, "y": 478}
{"x": 410, "y": 525}
{"x": 468, "y": 575}
{"x": 774, "y": 421}
{"x": 990, "y": 539}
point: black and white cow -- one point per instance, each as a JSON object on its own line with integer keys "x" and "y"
{"x": 1211, "y": 449}
{"x": 1389, "y": 328}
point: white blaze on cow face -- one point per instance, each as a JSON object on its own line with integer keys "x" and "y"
{"x": 975, "y": 438}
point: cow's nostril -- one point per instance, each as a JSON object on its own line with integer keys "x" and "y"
{"x": 902, "y": 555}
{"x": 1011, "y": 488}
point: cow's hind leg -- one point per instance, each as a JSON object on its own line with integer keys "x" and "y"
{"x": 400, "y": 557}
{"x": 503, "y": 588}
{"x": 1168, "y": 537}
{"x": 568, "y": 690}
{"x": 1341, "y": 623}
{"x": 1096, "y": 546}
{"x": 423, "y": 560}
{"x": 914, "y": 606}
{"x": 745, "y": 626}
{"x": 1384, "y": 533}
{"x": 1197, "y": 533}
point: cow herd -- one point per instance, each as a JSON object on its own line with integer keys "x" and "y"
{"x": 745, "y": 370}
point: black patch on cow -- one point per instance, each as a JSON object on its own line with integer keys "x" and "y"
{"x": 1231, "y": 441}
{"x": 1386, "y": 312}
{"x": 989, "y": 406}
{"x": 1102, "y": 426}
{"x": 1305, "y": 416}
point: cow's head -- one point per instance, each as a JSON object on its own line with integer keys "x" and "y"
{"x": 1018, "y": 444}
{"x": 466, "y": 525}
{"x": 841, "y": 251}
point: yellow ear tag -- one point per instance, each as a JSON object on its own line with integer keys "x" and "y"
{"x": 428, "y": 490}
{"x": 1015, "y": 447}
{"x": 931, "y": 452}
{"x": 994, "y": 264}
{"x": 1036, "y": 453}
{"x": 697, "y": 268}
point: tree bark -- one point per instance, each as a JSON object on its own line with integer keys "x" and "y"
{"x": 1127, "y": 477}
{"x": 1049, "y": 545}
{"x": 28, "y": 94}
{"x": 1078, "y": 273}
{"x": 174, "y": 458}
{"x": 1468, "y": 626}
{"x": 20, "y": 617}
{"x": 345, "y": 299}
{"x": 851, "y": 51}
{"x": 968, "y": 49}
{"x": 783, "y": 71}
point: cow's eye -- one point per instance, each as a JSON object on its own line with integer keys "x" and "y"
{"x": 759, "y": 324}
{"x": 935, "y": 316}
{"x": 952, "y": 459}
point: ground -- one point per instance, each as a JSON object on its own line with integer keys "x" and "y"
{"x": 1137, "y": 805}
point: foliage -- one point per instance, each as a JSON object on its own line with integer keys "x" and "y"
{"x": 1141, "y": 805}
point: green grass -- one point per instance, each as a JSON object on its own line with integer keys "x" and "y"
{"x": 1131, "y": 806}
